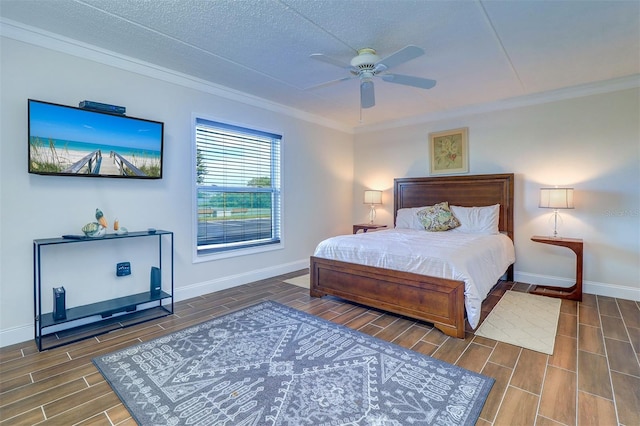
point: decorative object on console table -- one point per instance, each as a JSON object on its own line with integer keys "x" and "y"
{"x": 556, "y": 198}
{"x": 123, "y": 269}
{"x": 59, "y": 304}
{"x": 155, "y": 286}
{"x": 101, "y": 219}
{"x": 571, "y": 293}
{"x": 366, "y": 226}
{"x": 449, "y": 152}
{"x": 372, "y": 197}
{"x": 94, "y": 230}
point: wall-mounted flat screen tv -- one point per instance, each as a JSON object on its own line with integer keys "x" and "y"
{"x": 70, "y": 141}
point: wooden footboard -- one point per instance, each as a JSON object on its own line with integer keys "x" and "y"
{"x": 436, "y": 300}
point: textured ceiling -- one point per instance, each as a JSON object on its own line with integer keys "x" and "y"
{"x": 478, "y": 51}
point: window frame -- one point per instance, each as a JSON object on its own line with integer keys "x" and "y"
{"x": 204, "y": 255}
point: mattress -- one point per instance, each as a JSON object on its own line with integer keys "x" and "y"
{"x": 476, "y": 259}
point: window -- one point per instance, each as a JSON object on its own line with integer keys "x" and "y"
{"x": 238, "y": 187}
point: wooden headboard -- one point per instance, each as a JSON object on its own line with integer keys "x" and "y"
{"x": 466, "y": 191}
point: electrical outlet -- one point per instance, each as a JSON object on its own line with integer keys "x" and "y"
{"x": 123, "y": 268}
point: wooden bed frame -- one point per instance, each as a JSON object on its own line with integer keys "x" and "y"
{"x": 435, "y": 300}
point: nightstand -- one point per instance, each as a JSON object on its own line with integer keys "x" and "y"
{"x": 366, "y": 226}
{"x": 570, "y": 293}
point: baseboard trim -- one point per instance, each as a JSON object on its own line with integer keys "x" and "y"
{"x": 16, "y": 335}
{"x": 589, "y": 287}
{"x": 24, "y": 333}
{"x": 211, "y": 286}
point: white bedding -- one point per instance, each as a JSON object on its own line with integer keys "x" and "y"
{"x": 478, "y": 260}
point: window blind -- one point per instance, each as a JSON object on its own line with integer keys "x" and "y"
{"x": 238, "y": 186}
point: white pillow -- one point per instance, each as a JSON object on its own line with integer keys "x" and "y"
{"x": 408, "y": 219}
{"x": 477, "y": 220}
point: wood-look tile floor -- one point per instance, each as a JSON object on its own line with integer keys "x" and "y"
{"x": 593, "y": 377}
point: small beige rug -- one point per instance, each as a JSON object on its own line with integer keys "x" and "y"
{"x": 301, "y": 281}
{"x": 525, "y": 320}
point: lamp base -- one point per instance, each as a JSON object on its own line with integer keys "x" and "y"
{"x": 554, "y": 221}
{"x": 372, "y": 214}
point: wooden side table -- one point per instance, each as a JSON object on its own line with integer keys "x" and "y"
{"x": 366, "y": 226}
{"x": 570, "y": 293}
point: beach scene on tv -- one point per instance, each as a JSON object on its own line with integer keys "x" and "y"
{"x": 72, "y": 141}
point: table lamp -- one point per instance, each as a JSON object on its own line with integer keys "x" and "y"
{"x": 556, "y": 198}
{"x": 372, "y": 197}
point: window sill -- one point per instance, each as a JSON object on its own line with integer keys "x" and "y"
{"x": 204, "y": 256}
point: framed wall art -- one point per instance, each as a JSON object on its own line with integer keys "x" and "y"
{"x": 449, "y": 152}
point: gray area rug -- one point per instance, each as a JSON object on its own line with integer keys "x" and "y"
{"x": 269, "y": 364}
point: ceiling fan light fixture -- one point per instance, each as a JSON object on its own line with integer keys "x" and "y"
{"x": 367, "y": 95}
{"x": 366, "y": 59}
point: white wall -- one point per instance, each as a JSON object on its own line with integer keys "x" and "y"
{"x": 590, "y": 143}
{"x": 318, "y": 172}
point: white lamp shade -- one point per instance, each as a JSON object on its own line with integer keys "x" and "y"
{"x": 373, "y": 197}
{"x": 556, "y": 198}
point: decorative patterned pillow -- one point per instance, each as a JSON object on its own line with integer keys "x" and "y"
{"x": 438, "y": 217}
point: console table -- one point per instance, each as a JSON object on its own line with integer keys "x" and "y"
{"x": 105, "y": 314}
{"x": 571, "y": 293}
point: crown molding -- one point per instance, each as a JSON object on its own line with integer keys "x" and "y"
{"x": 38, "y": 37}
{"x": 607, "y": 86}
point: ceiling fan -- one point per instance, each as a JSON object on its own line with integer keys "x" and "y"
{"x": 367, "y": 65}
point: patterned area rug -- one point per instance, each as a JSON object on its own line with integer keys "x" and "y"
{"x": 269, "y": 364}
{"x": 525, "y": 320}
{"x": 301, "y": 281}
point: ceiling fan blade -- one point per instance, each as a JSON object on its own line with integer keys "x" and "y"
{"x": 367, "y": 96}
{"x": 408, "y": 80}
{"x": 329, "y": 60}
{"x": 329, "y": 83}
{"x": 401, "y": 56}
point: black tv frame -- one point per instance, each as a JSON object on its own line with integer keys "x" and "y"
{"x": 61, "y": 153}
